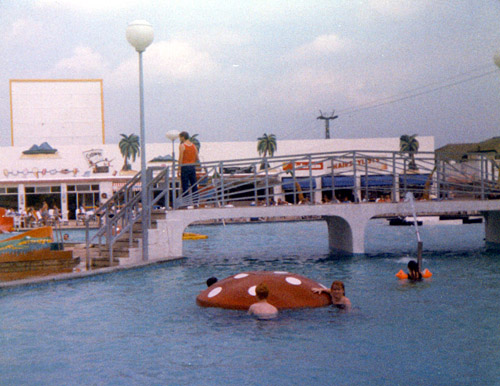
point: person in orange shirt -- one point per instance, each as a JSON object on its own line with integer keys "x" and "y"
{"x": 188, "y": 157}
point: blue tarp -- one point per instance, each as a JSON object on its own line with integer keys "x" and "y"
{"x": 288, "y": 183}
{"x": 374, "y": 180}
{"x": 340, "y": 181}
{"x": 377, "y": 180}
{"x": 414, "y": 179}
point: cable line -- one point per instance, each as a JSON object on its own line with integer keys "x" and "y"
{"x": 412, "y": 93}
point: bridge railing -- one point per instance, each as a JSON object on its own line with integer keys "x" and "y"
{"x": 353, "y": 176}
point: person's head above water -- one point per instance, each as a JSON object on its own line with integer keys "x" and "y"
{"x": 412, "y": 266}
{"x": 262, "y": 291}
{"x": 337, "y": 284}
{"x": 211, "y": 280}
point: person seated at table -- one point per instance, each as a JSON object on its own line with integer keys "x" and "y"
{"x": 56, "y": 214}
{"x": 262, "y": 309}
{"x": 337, "y": 293}
{"x": 30, "y": 217}
{"x": 44, "y": 212}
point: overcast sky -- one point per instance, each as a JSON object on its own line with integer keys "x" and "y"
{"x": 235, "y": 69}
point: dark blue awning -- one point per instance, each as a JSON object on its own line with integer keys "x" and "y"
{"x": 414, "y": 179}
{"x": 340, "y": 181}
{"x": 288, "y": 183}
{"x": 377, "y": 180}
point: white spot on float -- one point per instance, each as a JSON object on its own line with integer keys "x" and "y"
{"x": 251, "y": 290}
{"x": 241, "y": 275}
{"x": 214, "y": 292}
{"x": 293, "y": 280}
{"x": 281, "y": 272}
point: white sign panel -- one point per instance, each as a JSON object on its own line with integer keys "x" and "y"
{"x": 59, "y": 112}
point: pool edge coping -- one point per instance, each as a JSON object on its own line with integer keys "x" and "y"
{"x": 83, "y": 274}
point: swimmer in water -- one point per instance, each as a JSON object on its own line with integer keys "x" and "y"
{"x": 262, "y": 309}
{"x": 211, "y": 280}
{"x": 413, "y": 272}
{"x": 337, "y": 293}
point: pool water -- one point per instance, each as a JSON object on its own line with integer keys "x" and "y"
{"x": 143, "y": 327}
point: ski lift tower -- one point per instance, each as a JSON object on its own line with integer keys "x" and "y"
{"x": 327, "y": 122}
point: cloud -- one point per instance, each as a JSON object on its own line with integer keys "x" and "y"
{"x": 84, "y": 62}
{"x": 320, "y": 46}
{"x": 308, "y": 84}
{"x": 25, "y": 29}
{"x": 168, "y": 61}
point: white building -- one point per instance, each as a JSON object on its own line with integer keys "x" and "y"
{"x": 74, "y": 176}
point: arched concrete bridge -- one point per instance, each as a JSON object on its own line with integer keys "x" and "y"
{"x": 346, "y": 222}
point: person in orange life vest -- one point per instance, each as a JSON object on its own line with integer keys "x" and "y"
{"x": 188, "y": 156}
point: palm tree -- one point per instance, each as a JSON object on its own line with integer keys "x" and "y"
{"x": 195, "y": 141}
{"x": 130, "y": 148}
{"x": 409, "y": 144}
{"x": 266, "y": 145}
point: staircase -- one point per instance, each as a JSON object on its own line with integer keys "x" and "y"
{"x": 119, "y": 234}
{"x": 123, "y": 246}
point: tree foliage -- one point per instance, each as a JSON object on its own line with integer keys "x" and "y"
{"x": 266, "y": 145}
{"x": 409, "y": 144}
{"x": 129, "y": 148}
{"x": 195, "y": 141}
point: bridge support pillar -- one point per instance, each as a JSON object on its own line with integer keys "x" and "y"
{"x": 344, "y": 237}
{"x": 492, "y": 227}
{"x": 166, "y": 240}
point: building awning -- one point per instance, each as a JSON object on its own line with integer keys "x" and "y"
{"x": 414, "y": 179}
{"x": 377, "y": 180}
{"x": 288, "y": 183}
{"x": 340, "y": 182}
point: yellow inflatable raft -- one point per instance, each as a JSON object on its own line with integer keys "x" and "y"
{"x": 193, "y": 236}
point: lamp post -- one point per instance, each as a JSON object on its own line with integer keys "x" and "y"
{"x": 173, "y": 135}
{"x": 140, "y": 35}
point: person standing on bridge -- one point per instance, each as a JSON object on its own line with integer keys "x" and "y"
{"x": 188, "y": 157}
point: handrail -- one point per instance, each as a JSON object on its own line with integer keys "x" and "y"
{"x": 119, "y": 213}
{"x": 357, "y": 175}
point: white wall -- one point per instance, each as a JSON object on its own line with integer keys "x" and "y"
{"x": 60, "y": 112}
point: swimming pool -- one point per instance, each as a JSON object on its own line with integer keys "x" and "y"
{"x": 143, "y": 326}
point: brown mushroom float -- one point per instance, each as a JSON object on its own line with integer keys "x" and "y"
{"x": 286, "y": 290}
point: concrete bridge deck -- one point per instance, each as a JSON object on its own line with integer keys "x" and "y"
{"x": 346, "y": 222}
